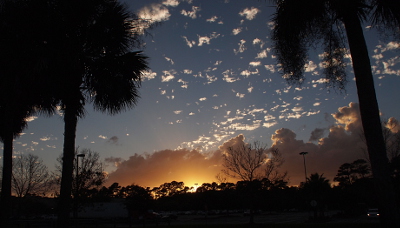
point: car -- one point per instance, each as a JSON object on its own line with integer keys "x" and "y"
{"x": 373, "y": 213}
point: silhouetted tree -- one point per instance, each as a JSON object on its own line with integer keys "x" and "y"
{"x": 30, "y": 176}
{"x": 22, "y": 86}
{"x": 317, "y": 188}
{"x": 298, "y": 24}
{"x": 93, "y": 61}
{"x": 348, "y": 173}
{"x": 138, "y": 199}
{"x": 88, "y": 176}
{"x": 170, "y": 189}
{"x": 244, "y": 161}
{"x": 251, "y": 163}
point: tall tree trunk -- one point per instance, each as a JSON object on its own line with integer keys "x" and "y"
{"x": 6, "y": 203}
{"x": 371, "y": 122}
{"x": 64, "y": 204}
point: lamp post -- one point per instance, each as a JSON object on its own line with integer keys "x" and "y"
{"x": 305, "y": 168}
{"x": 77, "y": 183}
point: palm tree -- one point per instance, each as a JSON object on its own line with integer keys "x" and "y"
{"x": 317, "y": 188}
{"x": 300, "y": 24}
{"x": 21, "y": 84}
{"x": 92, "y": 42}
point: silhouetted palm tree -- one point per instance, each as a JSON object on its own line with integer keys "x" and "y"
{"x": 21, "y": 80}
{"x": 316, "y": 189}
{"x": 93, "y": 61}
{"x": 299, "y": 24}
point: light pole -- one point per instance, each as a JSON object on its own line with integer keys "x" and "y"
{"x": 77, "y": 183}
{"x": 305, "y": 168}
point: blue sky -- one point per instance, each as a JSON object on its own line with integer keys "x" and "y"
{"x": 213, "y": 77}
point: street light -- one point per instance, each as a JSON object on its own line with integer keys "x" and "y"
{"x": 304, "y": 159}
{"x": 76, "y": 183}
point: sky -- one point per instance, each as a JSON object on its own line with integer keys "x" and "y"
{"x": 214, "y": 79}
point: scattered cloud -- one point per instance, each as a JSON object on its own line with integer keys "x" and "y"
{"x": 207, "y": 39}
{"x": 154, "y": 13}
{"x": 173, "y": 3}
{"x": 241, "y": 48}
{"x": 192, "y": 14}
{"x": 189, "y": 42}
{"x": 31, "y": 118}
{"x": 237, "y": 31}
{"x": 169, "y": 60}
{"x": 148, "y": 75}
{"x": 249, "y": 13}
{"x": 168, "y": 75}
{"x": 212, "y": 19}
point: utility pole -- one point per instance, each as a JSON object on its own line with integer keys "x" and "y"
{"x": 305, "y": 168}
{"x": 76, "y": 184}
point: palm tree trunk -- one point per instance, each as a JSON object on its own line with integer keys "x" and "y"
{"x": 64, "y": 205}
{"x": 6, "y": 204}
{"x": 371, "y": 122}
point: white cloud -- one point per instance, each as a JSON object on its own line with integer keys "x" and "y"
{"x": 211, "y": 78}
{"x": 247, "y": 73}
{"x": 297, "y": 109}
{"x": 168, "y": 75}
{"x": 241, "y": 48}
{"x": 102, "y": 137}
{"x": 237, "y": 31}
{"x": 148, "y": 75}
{"x": 254, "y": 64}
{"x": 178, "y": 112}
{"x": 217, "y": 63}
{"x": 259, "y": 42}
{"x": 212, "y": 19}
{"x": 173, "y": 3}
{"x": 250, "y": 14}
{"x": 310, "y": 66}
{"x": 154, "y": 13}
{"x": 184, "y": 83}
{"x": 169, "y": 60}
{"x": 240, "y": 95}
{"x": 228, "y": 76}
{"x": 188, "y": 42}
{"x": 263, "y": 54}
{"x": 192, "y": 14}
{"x": 31, "y": 118}
{"x": 187, "y": 71}
{"x": 203, "y": 99}
{"x": 207, "y": 39}
{"x": 270, "y": 124}
{"x": 270, "y": 68}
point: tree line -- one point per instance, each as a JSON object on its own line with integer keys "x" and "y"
{"x": 351, "y": 194}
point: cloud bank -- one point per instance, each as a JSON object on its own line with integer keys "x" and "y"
{"x": 343, "y": 143}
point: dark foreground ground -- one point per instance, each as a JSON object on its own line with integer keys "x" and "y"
{"x": 270, "y": 220}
